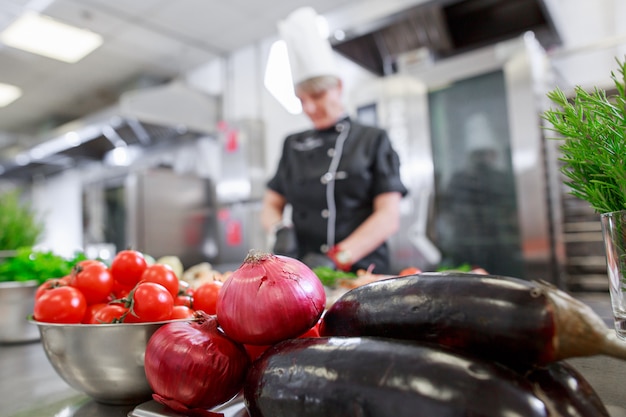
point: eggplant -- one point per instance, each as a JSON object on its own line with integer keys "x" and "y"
{"x": 565, "y": 391}
{"x": 509, "y": 320}
{"x": 376, "y": 377}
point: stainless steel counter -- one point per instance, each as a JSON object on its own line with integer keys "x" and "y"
{"x": 30, "y": 387}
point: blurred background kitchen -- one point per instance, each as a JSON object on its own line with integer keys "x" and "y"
{"x": 162, "y": 136}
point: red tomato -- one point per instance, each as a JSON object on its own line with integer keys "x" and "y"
{"x": 110, "y": 313}
{"x": 51, "y": 284}
{"x": 410, "y": 270}
{"x": 161, "y": 274}
{"x": 94, "y": 280}
{"x": 182, "y": 312}
{"x": 91, "y": 311}
{"x": 128, "y": 266}
{"x": 152, "y": 302}
{"x": 312, "y": 332}
{"x": 60, "y": 305}
{"x": 120, "y": 291}
{"x": 87, "y": 262}
{"x": 205, "y": 297}
{"x": 183, "y": 300}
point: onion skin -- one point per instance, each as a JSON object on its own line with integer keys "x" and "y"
{"x": 191, "y": 365}
{"x": 270, "y": 298}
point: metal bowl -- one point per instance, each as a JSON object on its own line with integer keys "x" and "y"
{"x": 104, "y": 361}
{"x": 17, "y": 300}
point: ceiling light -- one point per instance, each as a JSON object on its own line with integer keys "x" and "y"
{"x": 48, "y": 37}
{"x": 8, "y": 94}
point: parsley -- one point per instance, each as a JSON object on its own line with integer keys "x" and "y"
{"x": 28, "y": 264}
{"x": 329, "y": 276}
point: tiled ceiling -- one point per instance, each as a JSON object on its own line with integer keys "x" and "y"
{"x": 146, "y": 41}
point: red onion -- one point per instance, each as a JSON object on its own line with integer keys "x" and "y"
{"x": 192, "y": 366}
{"x": 269, "y": 298}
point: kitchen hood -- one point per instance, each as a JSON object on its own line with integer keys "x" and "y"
{"x": 439, "y": 29}
{"x": 141, "y": 119}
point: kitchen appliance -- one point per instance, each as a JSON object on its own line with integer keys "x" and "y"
{"x": 449, "y": 119}
{"x": 198, "y": 199}
{"x": 141, "y": 120}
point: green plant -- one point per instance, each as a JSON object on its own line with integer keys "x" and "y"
{"x": 592, "y": 126}
{"x": 19, "y": 225}
{"x": 27, "y": 264}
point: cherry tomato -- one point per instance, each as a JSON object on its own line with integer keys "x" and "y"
{"x": 312, "y": 332}
{"x": 152, "y": 302}
{"x": 94, "y": 280}
{"x": 128, "y": 266}
{"x": 60, "y": 305}
{"x": 87, "y": 262}
{"x": 120, "y": 291}
{"x": 91, "y": 311}
{"x": 162, "y": 274}
{"x": 410, "y": 270}
{"x": 131, "y": 317}
{"x": 110, "y": 313}
{"x": 51, "y": 284}
{"x": 181, "y": 312}
{"x": 205, "y": 297}
{"x": 183, "y": 300}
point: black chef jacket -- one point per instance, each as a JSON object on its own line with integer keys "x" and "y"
{"x": 331, "y": 177}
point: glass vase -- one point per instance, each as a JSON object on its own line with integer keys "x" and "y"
{"x": 614, "y": 236}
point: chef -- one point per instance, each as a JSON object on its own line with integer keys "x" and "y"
{"x": 340, "y": 178}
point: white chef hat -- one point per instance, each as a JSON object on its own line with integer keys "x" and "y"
{"x": 310, "y": 55}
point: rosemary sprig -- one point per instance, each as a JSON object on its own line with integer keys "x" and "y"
{"x": 592, "y": 126}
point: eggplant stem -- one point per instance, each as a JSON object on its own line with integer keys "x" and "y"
{"x": 579, "y": 330}
{"x": 613, "y": 346}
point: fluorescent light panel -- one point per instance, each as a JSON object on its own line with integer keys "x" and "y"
{"x": 8, "y": 94}
{"x": 45, "y": 36}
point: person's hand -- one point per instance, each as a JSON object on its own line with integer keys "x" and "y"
{"x": 341, "y": 257}
{"x": 285, "y": 242}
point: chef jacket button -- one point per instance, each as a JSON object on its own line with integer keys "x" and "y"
{"x": 331, "y": 152}
{"x": 324, "y": 248}
{"x": 326, "y": 178}
{"x": 325, "y": 213}
{"x": 339, "y": 127}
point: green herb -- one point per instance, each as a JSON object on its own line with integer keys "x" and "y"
{"x": 19, "y": 225}
{"x": 594, "y": 148}
{"x": 460, "y": 268}
{"x": 329, "y": 276}
{"x": 28, "y": 264}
